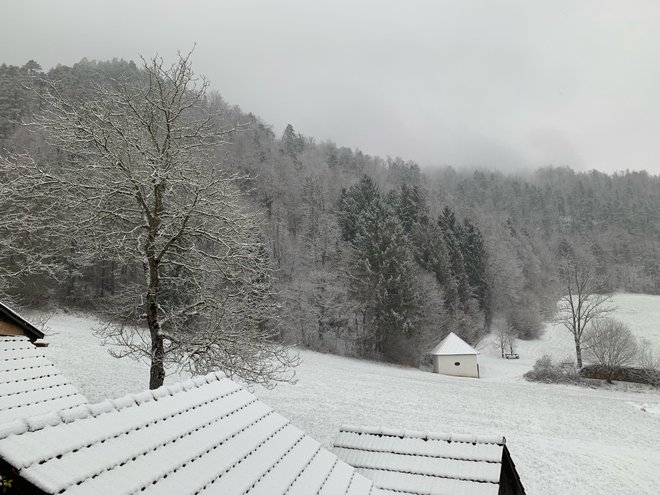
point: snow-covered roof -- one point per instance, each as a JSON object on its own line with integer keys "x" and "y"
{"x": 29, "y": 383}
{"x": 452, "y": 344}
{"x": 423, "y": 463}
{"x": 205, "y": 435}
{"x": 10, "y": 315}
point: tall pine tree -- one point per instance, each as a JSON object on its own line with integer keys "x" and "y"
{"x": 475, "y": 264}
{"x": 381, "y": 270}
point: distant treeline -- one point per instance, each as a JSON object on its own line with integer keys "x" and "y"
{"x": 375, "y": 257}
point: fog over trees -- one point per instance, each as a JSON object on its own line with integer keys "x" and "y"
{"x": 362, "y": 255}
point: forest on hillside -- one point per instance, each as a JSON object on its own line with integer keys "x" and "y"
{"x": 365, "y": 255}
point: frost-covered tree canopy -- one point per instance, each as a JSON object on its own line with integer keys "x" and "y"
{"x": 133, "y": 185}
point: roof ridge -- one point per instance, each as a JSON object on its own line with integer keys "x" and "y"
{"x": 425, "y": 435}
{"x": 34, "y": 423}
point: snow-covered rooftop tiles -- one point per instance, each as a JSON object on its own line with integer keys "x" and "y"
{"x": 29, "y": 383}
{"x": 206, "y": 435}
{"x": 423, "y": 463}
{"x": 452, "y": 344}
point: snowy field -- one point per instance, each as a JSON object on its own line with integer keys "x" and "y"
{"x": 563, "y": 439}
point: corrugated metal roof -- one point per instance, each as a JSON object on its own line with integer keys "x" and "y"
{"x": 452, "y": 344}
{"x": 206, "y": 435}
{"x": 423, "y": 463}
{"x": 29, "y": 383}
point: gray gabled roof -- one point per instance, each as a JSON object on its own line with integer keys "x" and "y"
{"x": 29, "y": 383}
{"x": 452, "y": 345}
{"x": 205, "y": 435}
{"x": 414, "y": 462}
{"x": 10, "y": 315}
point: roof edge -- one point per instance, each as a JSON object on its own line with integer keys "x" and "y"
{"x": 14, "y": 317}
{"x": 41, "y": 421}
{"x": 447, "y": 437}
{"x": 444, "y": 348}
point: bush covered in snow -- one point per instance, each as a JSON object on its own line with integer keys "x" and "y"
{"x": 547, "y": 371}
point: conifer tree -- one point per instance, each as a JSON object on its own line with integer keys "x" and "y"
{"x": 475, "y": 264}
{"x": 381, "y": 268}
{"x": 292, "y": 143}
{"x": 352, "y": 204}
{"x": 458, "y": 287}
{"x": 382, "y": 279}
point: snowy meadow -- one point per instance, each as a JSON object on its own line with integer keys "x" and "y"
{"x": 563, "y": 439}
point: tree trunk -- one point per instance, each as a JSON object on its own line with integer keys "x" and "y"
{"x": 578, "y": 353}
{"x": 157, "y": 369}
{"x": 488, "y": 318}
{"x": 609, "y": 377}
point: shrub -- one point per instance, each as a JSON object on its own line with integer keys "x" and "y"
{"x": 546, "y": 371}
{"x": 649, "y": 362}
{"x": 610, "y": 344}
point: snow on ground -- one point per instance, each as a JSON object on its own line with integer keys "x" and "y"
{"x": 78, "y": 353}
{"x": 563, "y": 439}
{"x": 640, "y": 312}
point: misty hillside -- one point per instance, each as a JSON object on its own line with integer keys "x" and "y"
{"x": 371, "y": 256}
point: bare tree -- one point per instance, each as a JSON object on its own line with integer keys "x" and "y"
{"x": 649, "y": 361}
{"x": 22, "y": 226}
{"x": 585, "y": 296}
{"x": 135, "y": 184}
{"x": 505, "y": 335}
{"x": 610, "y": 344}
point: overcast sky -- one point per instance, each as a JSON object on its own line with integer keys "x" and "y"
{"x": 488, "y": 83}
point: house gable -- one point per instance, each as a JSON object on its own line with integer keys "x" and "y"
{"x": 11, "y": 323}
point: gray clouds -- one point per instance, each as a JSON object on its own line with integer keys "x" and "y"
{"x": 506, "y": 84}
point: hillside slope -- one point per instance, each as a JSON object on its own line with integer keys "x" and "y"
{"x": 563, "y": 439}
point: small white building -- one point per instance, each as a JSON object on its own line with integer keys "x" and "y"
{"x": 453, "y": 356}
